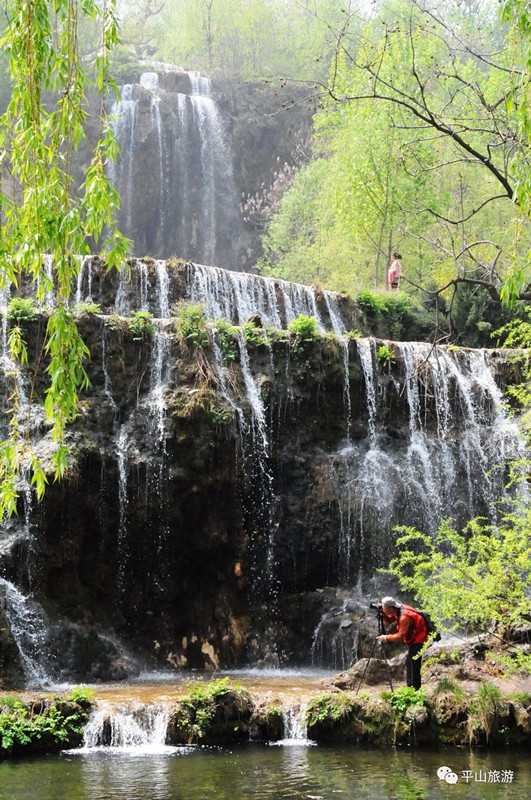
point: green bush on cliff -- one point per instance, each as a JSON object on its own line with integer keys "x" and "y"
{"x": 22, "y": 309}
{"x": 385, "y": 355}
{"x": 384, "y": 303}
{"x": 140, "y": 325}
{"x": 191, "y": 326}
{"x": 225, "y": 335}
{"x": 483, "y": 711}
{"x": 254, "y": 334}
{"x": 87, "y": 308}
{"x": 329, "y": 709}
{"x": 304, "y": 328}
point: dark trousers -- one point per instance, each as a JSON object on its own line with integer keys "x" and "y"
{"x": 413, "y": 666}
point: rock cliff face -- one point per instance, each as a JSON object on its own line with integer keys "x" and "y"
{"x": 229, "y": 487}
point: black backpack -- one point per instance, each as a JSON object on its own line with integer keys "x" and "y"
{"x": 433, "y": 633}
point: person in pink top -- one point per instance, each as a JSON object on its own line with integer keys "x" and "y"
{"x": 394, "y": 274}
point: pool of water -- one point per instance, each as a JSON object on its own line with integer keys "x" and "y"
{"x": 265, "y": 773}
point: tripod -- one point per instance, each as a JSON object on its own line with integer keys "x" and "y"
{"x": 381, "y": 631}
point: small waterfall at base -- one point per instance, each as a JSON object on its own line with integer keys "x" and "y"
{"x": 28, "y": 624}
{"x": 295, "y": 727}
{"x": 134, "y": 729}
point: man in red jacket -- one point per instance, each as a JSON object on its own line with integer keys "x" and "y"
{"x": 408, "y": 626}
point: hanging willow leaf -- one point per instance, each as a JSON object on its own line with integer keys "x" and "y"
{"x": 48, "y": 223}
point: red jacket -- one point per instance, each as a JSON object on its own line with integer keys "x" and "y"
{"x": 412, "y": 628}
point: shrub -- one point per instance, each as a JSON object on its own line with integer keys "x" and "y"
{"x": 304, "y": 328}
{"x": 329, "y": 708}
{"x": 254, "y": 334}
{"x": 448, "y": 686}
{"x": 141, "y": 325}
{"x": 22, "y": 309}
{"x": 191, "y": 324}
{"x": 87, "y": 308}
{"x": 82, "y": 695}
{"x": 484, "y": 709}
{"x": 57, "y": 725}
{"x": 226, "y": 339}
{"x": 355, "y": 334}
{"x": 376, "y": 304}
{"x": 401, "y": 699}
{"x": 385, "y": 355}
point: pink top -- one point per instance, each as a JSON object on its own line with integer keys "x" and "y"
{"x": 394, "y": 271}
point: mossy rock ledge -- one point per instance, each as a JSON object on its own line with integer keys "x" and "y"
{"x": 213, "y": 713}
{"x": 443, "y": 718}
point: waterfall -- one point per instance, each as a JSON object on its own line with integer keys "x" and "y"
{"x": 366, "y": 360}
{"x": 124, "y": 115}
{"x": 28, "y": 624}
{"x": 193, "y": 209}
{"x": 236, "y": 296}
{"x": 445, "y": 462}
{"x": 159, "y": 366}
{"x": 85, "y": 268}
{"x": 295, "y": 727}
{"x": 134, "y": 728}
{"x": 122, "y": 454}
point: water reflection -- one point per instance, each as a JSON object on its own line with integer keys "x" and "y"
{"x": 262, "y": 773}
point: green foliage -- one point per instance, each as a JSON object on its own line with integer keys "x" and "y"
{"x": 381, "y": 303}
{"x": 401, "y": 699}
{"x": 191, "y": 325}
{"x": 22, "y": 309}
{"x": 17, "y": 345}
{"x": 9, "y": 702}
{"x": 226, "y": 334}
{"x": 243, "y": 39}
{"x": 87, "y": 308}
{"x": 55, "y": 726}
{"x": 195, "y": 714}
{"x": 476, "y": 577}
{"x": 448, "y": 686}
{"x": 304, "y": 328}
{"x": 335, "y": 708}
{"x": 385, "y": 355}
{"x": 254, "y": 334}
{"x": 204, "y": 401}
{"x": 371, "y": 187}
{"x": 47, "y": 222}
{"x": 355, "y": 334}
{"x": 514, "y": 662}
{"x": 483, "y": 710}
{"x": 521, "y": 697}
{"x": 67, "y": 353}
{"x": 82, "y": 695}
{"x": 141, "y": 325}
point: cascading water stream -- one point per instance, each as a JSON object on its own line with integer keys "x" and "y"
{"x": 295, "y": 727}
{"x": 197, "y": 207}
{"x": 457, "y": 433}
{"x": 132, "y": 729}
{"x": 28, "y": 625}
